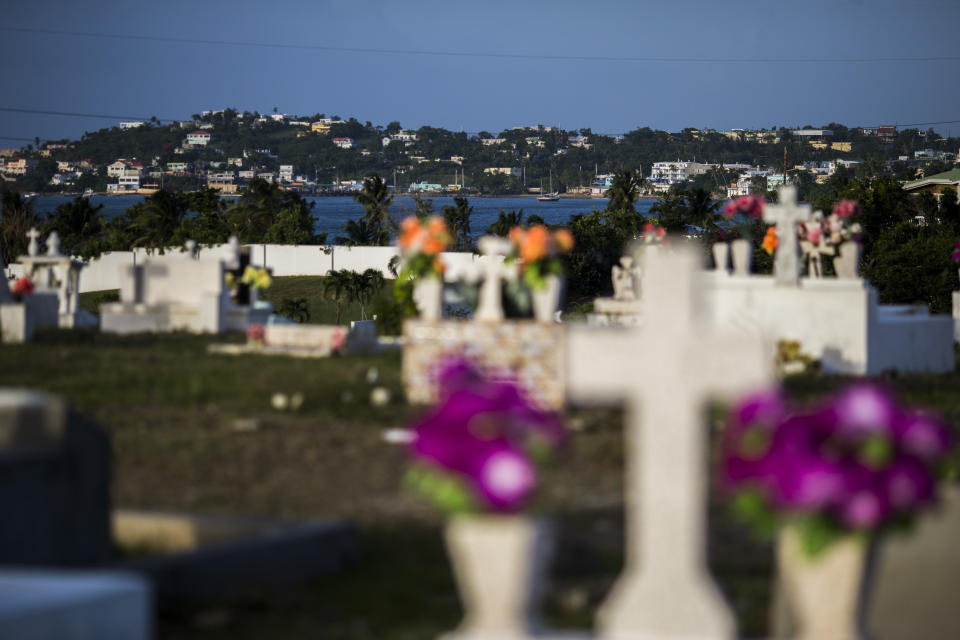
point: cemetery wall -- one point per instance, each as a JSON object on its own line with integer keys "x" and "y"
{"x": 285, "y": 260}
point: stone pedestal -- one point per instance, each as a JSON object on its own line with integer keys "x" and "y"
{"x": 17, "y": 322}
{"x": 611, "y": 312}
{"x": 956, "y": 316}
{"x": 533, "y": 352}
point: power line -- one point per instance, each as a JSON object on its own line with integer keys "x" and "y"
{"x": 479, "y": 54}
{"x": 79, "y": 115}
{"x": 17, "y": 139}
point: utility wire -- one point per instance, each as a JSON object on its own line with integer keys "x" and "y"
{"x": 478, "y": 54}
{"x": 79, "y": 115}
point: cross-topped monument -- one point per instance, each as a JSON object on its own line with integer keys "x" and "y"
{"x": 665, "y": 371}
{"x": 490, "y": 305}
{"x": 33, "y": 248}
{"x": 786, "y": 214}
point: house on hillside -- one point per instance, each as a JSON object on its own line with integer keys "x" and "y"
{"x": 935, "y": 184}
{"x": 201, "y": 138}
{"x": 345, "y": 143}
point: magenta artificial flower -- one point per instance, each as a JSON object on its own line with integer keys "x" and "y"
{"x": 956, "y": 252}
{"x": 482, "y": 430}
{"x": 907, "y": 484}
{"x": 865, "y": 409}
{"x": 846, "y": 208}
{"x": 814, "y": 232}
{"x": 751, "y": 206}
{"x": 922, "y": 435}
{"x": 863, "y": 510}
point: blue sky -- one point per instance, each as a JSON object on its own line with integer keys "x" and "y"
{"x": 140, "y": 77}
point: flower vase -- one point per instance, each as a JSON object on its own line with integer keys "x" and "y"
{"x": 825, "y": 595}
{"x": 721, "y": 256}
{"x": 846, "y": 264}
{"x": 546, "y": 301}
{"x": 499, "y": 563}
{"x": 428, "y": 296}
{"x": 742, "y": 252}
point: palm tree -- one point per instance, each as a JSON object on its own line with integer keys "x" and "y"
{"x": 80, "y": 226}
{"x": 296, "y": 309}
{"x": 376, "y": 199}
{"x": 365, "y": 285}
{"x": 624, "y": 192}
{"x": 362, "y": 233}
{"x": 506, "y": 220}
{"x": 701, "y": 209}
{"x": 338, "y": 286}
{"x": 457, "y": 218}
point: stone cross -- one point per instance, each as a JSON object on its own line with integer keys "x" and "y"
{"x": 191, "y": 247}
{"x": 34, "y": 247}
{"x": 490, "y": 304}
{"x": 786, "y": 214}
{"x": 665, "y": 371}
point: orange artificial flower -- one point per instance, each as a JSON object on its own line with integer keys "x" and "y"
{"x": 439, "y": 265}
{"x": 564, "y": 239}
{"x": 411, "y": 231}
{"x": 433, "y": 245}
{"x": 516, "y": 236}
{"x": 770, "y": 240}
{"x": 437, "y": 226}
{"x": 534, "y": 244}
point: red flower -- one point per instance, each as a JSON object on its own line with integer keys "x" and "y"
{"x": 22, "y": 287}
{"x": 846, "y": 208}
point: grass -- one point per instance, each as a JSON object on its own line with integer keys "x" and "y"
{"x": 196, "y": 432}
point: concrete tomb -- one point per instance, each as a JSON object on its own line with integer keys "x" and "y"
{"x": 836, "y": 320}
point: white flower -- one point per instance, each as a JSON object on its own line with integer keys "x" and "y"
{"x": 380, "y": 397}
{"x": 280, "y": 401}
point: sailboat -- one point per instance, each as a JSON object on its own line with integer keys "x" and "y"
{"x": 553, "y": 196}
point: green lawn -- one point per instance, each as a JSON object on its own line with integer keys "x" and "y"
{"x": 197, "y": 432}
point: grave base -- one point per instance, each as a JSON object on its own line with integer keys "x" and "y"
{"x": 532, "y": 352}
{"x": 74, "y": 605}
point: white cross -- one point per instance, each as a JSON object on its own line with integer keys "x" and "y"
{"x": 665, "y": 372}
{"x": 786, "y": 215}
{"x": 490, "y": 304}
{"x": 33, "y": 248}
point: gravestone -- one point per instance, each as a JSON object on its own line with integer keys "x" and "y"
{"x": 786, "y": 214}
{"x": 57, "y": 275}
{"x": 490, "y": 306}
{"x": 55, "y": 478}
{"x": 665, "y": 372}
{"x": 623, "y": 309}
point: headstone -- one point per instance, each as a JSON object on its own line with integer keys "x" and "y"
{"x": 33, "y": 248}
{"x": 490, "y": 304}
{"x": 665, "y": 372}
{"x": 54, "y": 484}
{"x": 88, "y": 605}
{"x": 786, "y": 215}
{"x": 625, "y": 279}
{"x": 53, "y": 244}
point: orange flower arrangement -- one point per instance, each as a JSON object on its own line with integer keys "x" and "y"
{"x": 538, "y": 251}
{"x": 770, "y": 240}
{"x": 421, "y": 245}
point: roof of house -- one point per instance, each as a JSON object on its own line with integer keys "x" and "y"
{"x": 199, "y": 133}
{"x": 947, "y": 177}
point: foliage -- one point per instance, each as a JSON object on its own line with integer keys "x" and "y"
{"x": 16, "y": 219}
{"x": 81, "y": 227}
{"x": 375, "y": 199}
{"x": 338, "y": 287}
{"x": 624, "y": 191}
{"x": 296, "y": 309}
{"x": 506, "y": 220}
{"x": 457, "y": 219}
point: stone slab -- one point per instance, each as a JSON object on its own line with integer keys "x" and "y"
{"x": 276, "y": 558}
{"x": 532, "y": 352}
{"x": 94, "y": 605}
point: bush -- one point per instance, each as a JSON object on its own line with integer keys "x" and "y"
{"x": 296, "y": 309}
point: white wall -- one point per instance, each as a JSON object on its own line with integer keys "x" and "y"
{"x": 285, "y": 260}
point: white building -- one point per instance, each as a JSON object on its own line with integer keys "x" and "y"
{"x": 286, "y": 172}
{"x": 506, "y": 171}
{"x": 490, "y": 142}
{"x": 344, "y": 143}
{"x": 664, "y": 175}
{"x": 198, "y": 137}
{"x": 132, "y": 125}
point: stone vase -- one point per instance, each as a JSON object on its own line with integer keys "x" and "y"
{"x": 721, "y": 256}
{"x": 428, "y": 296}
{"x": 499, "y": 563}
{"x": 742, "y": 252}
{"x": 825, "y": 595}
{"x": 546, "y": 301}
{"x": 846, "y": 264}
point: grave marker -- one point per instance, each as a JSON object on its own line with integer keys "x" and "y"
{"x": 786, "y": 215}
{"x": 666, "y": 372}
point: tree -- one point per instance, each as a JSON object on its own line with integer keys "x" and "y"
{"x": 375, "y": 199}
{"x": 506, "y": 220}
{"x": 338, "y": 286}
{"x": 16, "y": 218}
{"x": 80, "y": 226}
{"x": 670, "y": 209}
{"x": 360, "y": 233}
{"x": 457, "y": 218}
{"x": 624, "y": 191}
{"x": 296, "y": 309}
{"x": 701, "y": 209}
{"x": 153, "y": 223}
{"x": 365, "y": 285}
